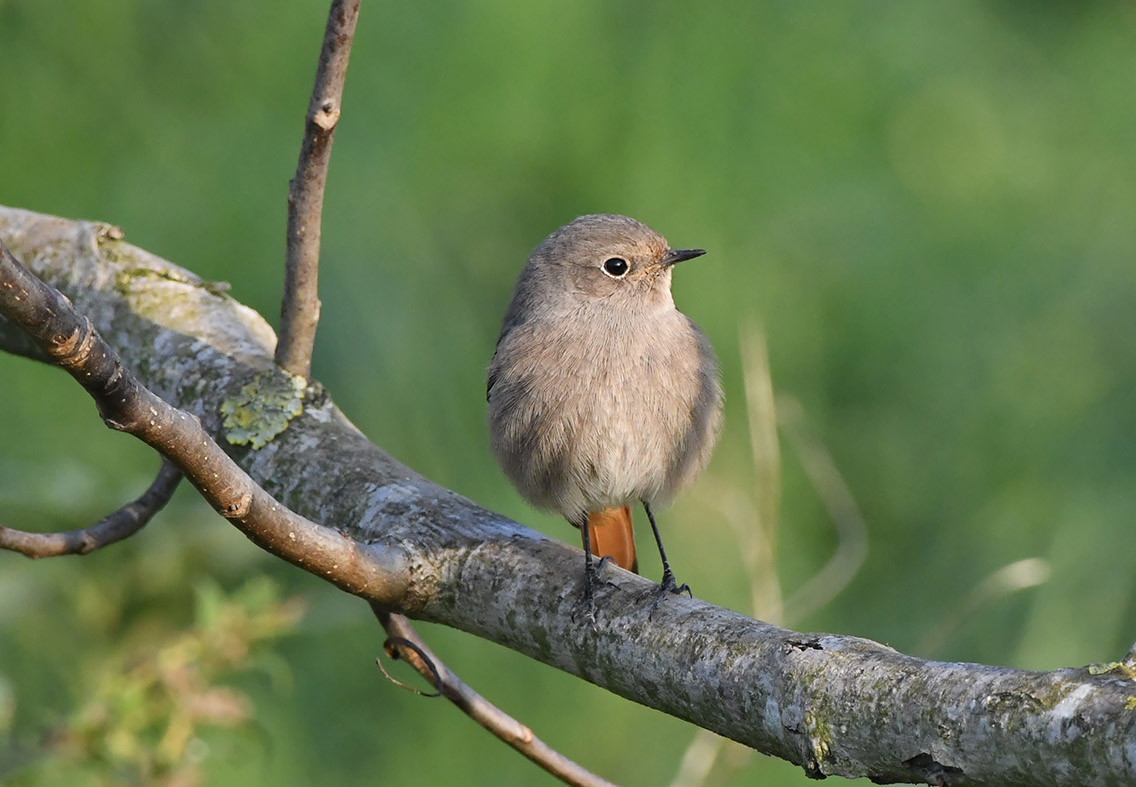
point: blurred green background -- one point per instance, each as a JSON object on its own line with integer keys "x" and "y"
{"x": 926, "y": 209}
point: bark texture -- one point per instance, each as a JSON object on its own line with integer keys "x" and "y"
{"x": 834, "y": 705}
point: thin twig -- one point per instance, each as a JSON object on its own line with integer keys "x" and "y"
{"x": 485, "y": 713}
{"x": 122, "y": 524}
{"x": 395, "y": 645}
{"x": 299, "y": 311}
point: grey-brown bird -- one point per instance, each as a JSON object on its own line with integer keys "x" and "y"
{"x": 601, "y": 393}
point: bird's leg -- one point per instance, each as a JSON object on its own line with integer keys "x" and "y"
{"x": 668, "y": 583}
{"x": 591, "y": 576}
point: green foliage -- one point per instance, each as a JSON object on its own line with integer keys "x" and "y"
{"x": 150, "y": 701}
{"x": 928, "y": 207}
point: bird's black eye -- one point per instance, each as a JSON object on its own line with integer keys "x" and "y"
{"x": 615, "y": 267}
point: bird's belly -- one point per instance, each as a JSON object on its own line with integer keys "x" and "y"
{"x": 620, "y": 440}
{"x": 622, "y": 457}
{"x": 584, "y": 425}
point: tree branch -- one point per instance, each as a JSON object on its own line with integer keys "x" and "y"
{"x": 833, "y": 704}
{"x": 485, "y": 713}
{"x": 123, "y": 523}
{"x": 299, "y": 312}
{"x": 73, "y": 344}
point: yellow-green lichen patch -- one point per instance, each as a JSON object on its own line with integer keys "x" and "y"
{"x": 263, "y": 408}
{"x": 1122, "y": 667}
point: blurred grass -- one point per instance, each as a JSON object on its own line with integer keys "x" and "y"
{"x": 927, "y": 206}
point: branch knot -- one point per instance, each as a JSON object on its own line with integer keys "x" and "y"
{"x": 237, "y": 508}
{"x": 326, "y": 115}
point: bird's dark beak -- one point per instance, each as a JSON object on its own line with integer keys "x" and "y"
{"x": 678, "y": 255}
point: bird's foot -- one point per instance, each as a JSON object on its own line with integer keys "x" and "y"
{"x": 668, "y": 586}
{"x": 586, "y": 603}
{"x": 605, "y": 560}
{"x": 585, "y": 606}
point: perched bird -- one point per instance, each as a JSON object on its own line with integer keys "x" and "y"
{"x": 601, "y": 393}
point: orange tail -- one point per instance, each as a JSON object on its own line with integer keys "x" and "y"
{"x": 611, "y": 535}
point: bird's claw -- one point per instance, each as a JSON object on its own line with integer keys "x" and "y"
{"x": 606, "y": 559}
{"x": 669, "y": 585}
{"x": 587, "y": 599}
{"x": 666, "y": 587}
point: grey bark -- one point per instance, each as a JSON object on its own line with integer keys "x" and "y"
{"x": 832, "y": 704}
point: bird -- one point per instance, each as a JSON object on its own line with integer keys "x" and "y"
{"x": 601, "y": 393}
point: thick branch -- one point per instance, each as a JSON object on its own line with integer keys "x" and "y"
{"x": 299, "y": 312}
{"x": 835, "y": 705}
{"x": 123, "y": 523}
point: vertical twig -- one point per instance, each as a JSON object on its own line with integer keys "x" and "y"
{"x": 299, "y": 312}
